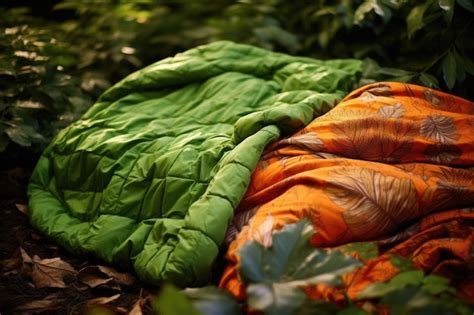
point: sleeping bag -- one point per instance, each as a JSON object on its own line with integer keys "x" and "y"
{"x": 151, "y": 175}
{"x": 392, "y": 163}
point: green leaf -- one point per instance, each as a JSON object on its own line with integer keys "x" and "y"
{"x": 449, "y": 70}
{"x": 412, "y": 277}
{"x": 375, "y": 290}
{"x": 213, "y": 301}
{"x": 372, "y": 5}
{"x": 291, "y": 258}
{"x": 466, "y": 4}
{"x": 19, "y": 135}
{"x": 429, "y": 80}
{"x": 171, "y": 301}
{"x": 403, "y": 279}
{"x": 406, "y": 300}
{"x": 435, "y": 285}
{"x": 371, "y": 69}
{"x": 415, "y": 18}
{"x": 414, "y": 300}
{"x": 275, "y": 275}
{"x": 448, "y": 10}
{"x": 402, "y": 263}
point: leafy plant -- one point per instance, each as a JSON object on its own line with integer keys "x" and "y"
{"x": 36, "y": 96}
{"x": 52, "y": 70}
{"x": 428, "y": 39}
{"x": 413, "y": 292}
{"x": 275, "y": 276}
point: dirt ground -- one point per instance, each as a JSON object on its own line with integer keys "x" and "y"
{"x": 37, "y": 276}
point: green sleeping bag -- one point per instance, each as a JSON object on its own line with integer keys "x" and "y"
{"x": 150, "y": 176}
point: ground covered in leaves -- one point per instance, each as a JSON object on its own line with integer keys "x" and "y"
{"x": 38, "y": 276}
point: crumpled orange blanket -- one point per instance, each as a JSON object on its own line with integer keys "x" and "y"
{"x": 392, "y": 163}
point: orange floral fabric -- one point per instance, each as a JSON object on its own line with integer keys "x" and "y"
{"x": 392, "y": 163}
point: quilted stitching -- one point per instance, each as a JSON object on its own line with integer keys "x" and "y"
{"x": 151, "y": 174}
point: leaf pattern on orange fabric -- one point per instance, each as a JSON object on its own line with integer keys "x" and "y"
{"x": 367, "y": 97}
{"x": 391, "y": 111}
{"x": 439, "y": 101}
{"x": 375, "y": 91}
{"x": 374, "y": 204}
{"x": 417, "y": 169}
{"x": 432, "y": 97}
{"x": 454, "y": 190}
{"x": 461, "y": 177}
{"x": 263, "y": 234}
{"x": 373, "y": 139}
{"x": 439, "y": 128}
{"x": 308, "y": 141}
{"x": 442, "y": 154}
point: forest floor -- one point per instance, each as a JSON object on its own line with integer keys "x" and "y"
{"x": 38, "y": 276}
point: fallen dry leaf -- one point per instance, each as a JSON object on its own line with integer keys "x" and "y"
{"x": 102, "y": 300}
{"x": 49, "y": 303}
{"x": 24, "y": 256}
{"x": 93, "y": 280}
{"x": 122, "y": 278}
{"x": 22, "y": 208}
{"x": 95, "y": 276}
{"x": 136, "y": 309}
{"x": 50, "y": 272}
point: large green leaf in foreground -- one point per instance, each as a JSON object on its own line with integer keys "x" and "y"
{"x": 275, "y": 275}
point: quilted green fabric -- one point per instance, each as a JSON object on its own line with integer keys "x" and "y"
{"x": 150, "y": 176}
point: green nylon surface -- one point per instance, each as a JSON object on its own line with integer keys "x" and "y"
{"x": 150, "y": 176}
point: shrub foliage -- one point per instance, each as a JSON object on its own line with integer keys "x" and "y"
{"x": 54, "y": 63}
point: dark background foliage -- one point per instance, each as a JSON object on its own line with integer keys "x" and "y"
{"x": 58, "y": 56}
